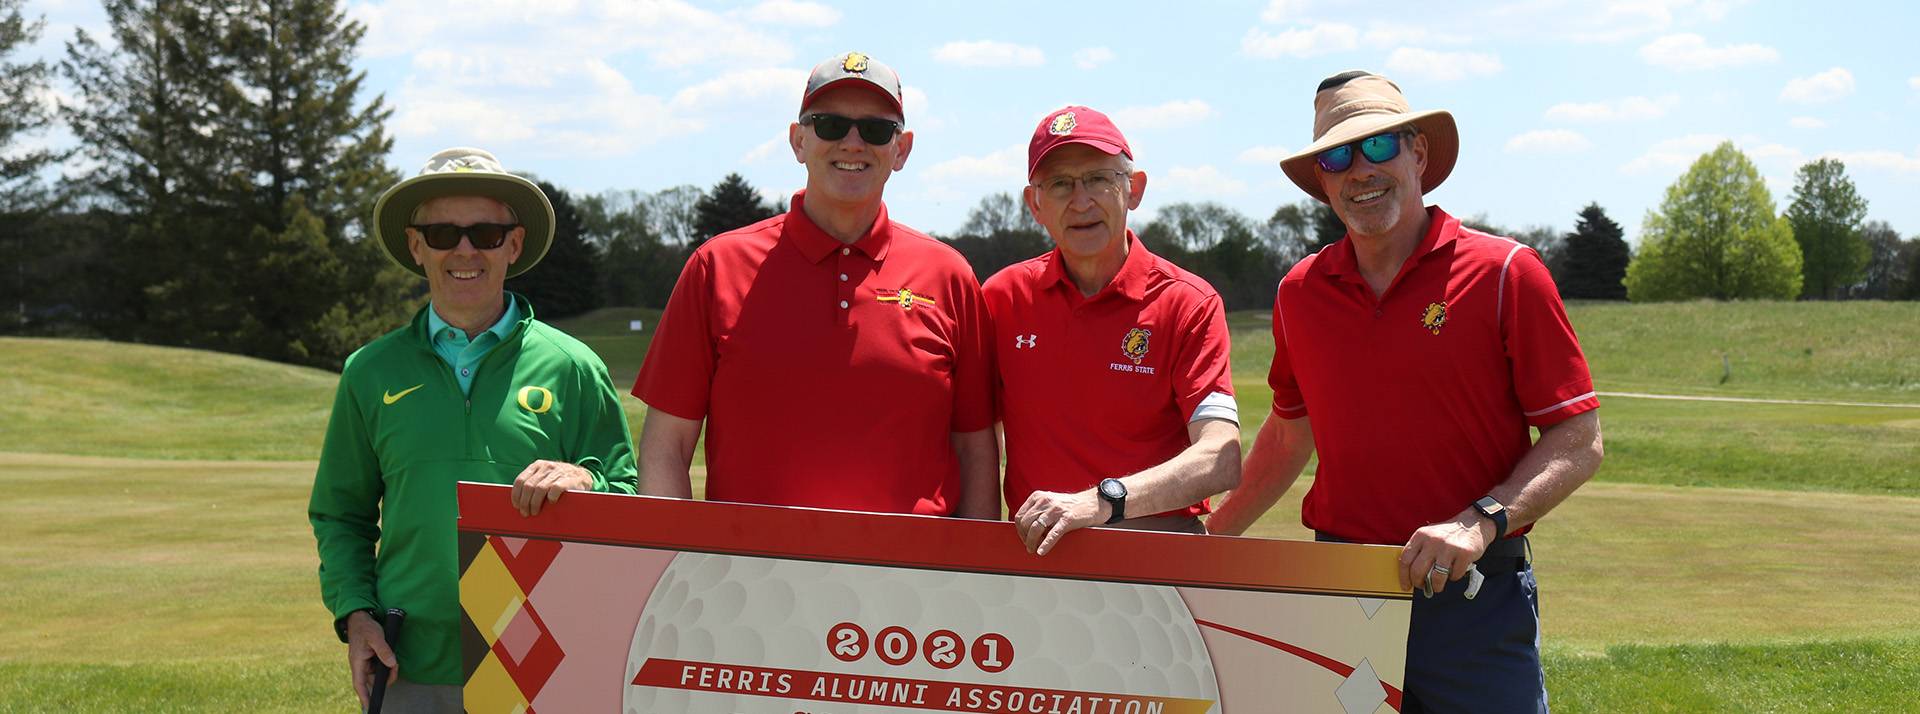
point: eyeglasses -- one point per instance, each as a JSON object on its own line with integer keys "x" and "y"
{"x": 1379, "y": 149}
{"x": 833, "y": 127}
{"x": 1097, "y": 181}
{"x": 446, "y": 236}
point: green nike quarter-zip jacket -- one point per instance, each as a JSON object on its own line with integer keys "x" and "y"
{"x": 402, "y": 434}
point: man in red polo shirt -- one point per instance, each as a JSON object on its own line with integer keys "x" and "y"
{"x": 1414, "y": 355}
{"x": 1113, "y": 380}
{"x": 839, "y": 359}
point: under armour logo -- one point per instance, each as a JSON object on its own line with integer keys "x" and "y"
{"x": 1024, "y": 341}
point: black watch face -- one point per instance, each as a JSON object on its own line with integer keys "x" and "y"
{"x": 1113, "y": 489}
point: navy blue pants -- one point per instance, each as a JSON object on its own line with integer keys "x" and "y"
{"x": 1479, "y": 655}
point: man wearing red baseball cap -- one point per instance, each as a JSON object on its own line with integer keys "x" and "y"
{"x": 839, "y": 359}
{"x": 1415, "y": 356}
{"x": 1112, "y": 363}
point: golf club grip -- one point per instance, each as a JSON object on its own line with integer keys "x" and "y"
{"x": 390, "y": 629}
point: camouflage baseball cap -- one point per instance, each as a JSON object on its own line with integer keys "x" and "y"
{"x": 854, "y": 66}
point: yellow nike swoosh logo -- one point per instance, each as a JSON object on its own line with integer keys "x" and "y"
{"x": 390, "y": 397}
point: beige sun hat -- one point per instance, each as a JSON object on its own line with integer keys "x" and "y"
{"x": 464, "y": 171}
{"x": 1354, "y": 105}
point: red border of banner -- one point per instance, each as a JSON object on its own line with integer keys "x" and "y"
{"x": 933, "y": 543}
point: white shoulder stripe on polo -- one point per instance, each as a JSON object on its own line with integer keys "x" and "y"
{"x": 1290, "y": 407}
{"x": 1556, "y": 407}
{"x": 1217, "y": 405}
{"x": 1499, "y": 308}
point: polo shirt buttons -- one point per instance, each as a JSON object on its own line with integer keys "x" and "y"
{"x": 466, "y": 372}
{"x": 843, "y": 277}
{"x": 1377, "y": 312}
{"x": 846, "y": 251}
{"x": 843, "y": 304}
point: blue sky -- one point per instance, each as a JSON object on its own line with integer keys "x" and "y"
{"x": 1559, "y": 103}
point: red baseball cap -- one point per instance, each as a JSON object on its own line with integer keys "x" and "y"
{"x": 1074, "y": 125}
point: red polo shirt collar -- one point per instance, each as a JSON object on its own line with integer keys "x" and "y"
{"x": 1129, "y": 283}
{"x": 816, "y": 245}
{"x": 1341, "y": 262}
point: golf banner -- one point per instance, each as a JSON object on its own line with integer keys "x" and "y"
{"x": 607, "y": 603}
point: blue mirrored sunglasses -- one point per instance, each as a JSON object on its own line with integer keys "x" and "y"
{"x": 1379, "y": 149}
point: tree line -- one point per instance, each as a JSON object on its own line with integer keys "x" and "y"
{"x": 220, "y": 191}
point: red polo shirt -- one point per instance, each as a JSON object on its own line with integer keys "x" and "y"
{"x": 830, "y": 375}
{"x": 1421, "y": 400}
{"x": 1102, "y": 386}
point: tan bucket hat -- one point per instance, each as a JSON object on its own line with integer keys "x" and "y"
{"x": 1354, "y": 105}
{"x": 464, "y": 171}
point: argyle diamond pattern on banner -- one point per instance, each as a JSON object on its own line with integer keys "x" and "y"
{"x": 521, "y": 653}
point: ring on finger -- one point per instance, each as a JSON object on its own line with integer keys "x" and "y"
{"x": 1441, "y": 569}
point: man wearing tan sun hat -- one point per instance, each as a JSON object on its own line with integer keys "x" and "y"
{"x": 474, "y": 389}
{"x": 1424, "y": 352}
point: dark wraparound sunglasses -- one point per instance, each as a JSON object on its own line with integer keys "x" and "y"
{"x": 833, "y": 127}
{"x": 1379, "y": 149}
{"x": 446, "y": 236}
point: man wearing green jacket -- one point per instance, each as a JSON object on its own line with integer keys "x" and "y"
{"x": 474, "y": 389}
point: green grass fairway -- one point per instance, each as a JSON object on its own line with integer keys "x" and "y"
{"x": 155, "y": 554}
{"x": 118, "y": 399}
{"x": 1846, "y": 351}
{"x": 189, "y": 586}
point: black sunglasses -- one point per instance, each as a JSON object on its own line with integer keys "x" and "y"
{"x": 446, "y": 236}
{"x": 833, "y": 127}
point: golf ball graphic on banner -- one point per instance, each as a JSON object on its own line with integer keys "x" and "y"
{"x": 724, "y": 634}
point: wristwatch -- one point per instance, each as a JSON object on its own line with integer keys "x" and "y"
{"x": 1495, "y": 512}
{"x": 1114, "y": 493}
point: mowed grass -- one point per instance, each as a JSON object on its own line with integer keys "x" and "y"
{"x": 190, "y": 586}
{"x": 1730, "y": 557}
{"x": 116, "y": 399}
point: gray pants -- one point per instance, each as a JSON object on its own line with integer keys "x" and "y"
{"x": 404, "y": 697}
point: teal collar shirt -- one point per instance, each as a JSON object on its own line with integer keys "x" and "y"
{"x": 464, "y": 354}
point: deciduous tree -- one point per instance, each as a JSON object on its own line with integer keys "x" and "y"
{"x": 1716, "y": 236}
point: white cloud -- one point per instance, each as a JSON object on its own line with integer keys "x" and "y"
{"x": 776, "y": 146}
{"x": 1268, "y": 155}
{"x": 1687, "y": 51}
{"x": 589, "y": 110}
{"x": 1597, "y": 22}
{"x": 1627, "y": 109}
{"x": 989, "y": 53}
{"x": 1807, "y": 123}
{"x": 793, "y": 13}
{"x": 1006, "y": 167}
{"x": 1092, "y": 57}
{"x": 1441, "y": 66}
{"x": 746, "y": 87}
{"x": 671, "y": 33}
{"x": 1319, "y": 39}
{"x": 1824, "y": 87}
{"x": 1282, "y": 10}
{"x": 1913, "y": 82}
{"x": 1677, "y": 153}
{"x": 1201, "y": 181}
{"x": 1385, "y": 35}
{"x": 1162, "y": 116}
{"x": 1548, "y": 141}
{"x": 1885, "y": 160}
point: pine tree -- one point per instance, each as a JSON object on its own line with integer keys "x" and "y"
{"x": 242, "y": 174}
{"x": 730, "y": 204}
{"x": 1596, "y": 258}
{"x": 23, "y": 198}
